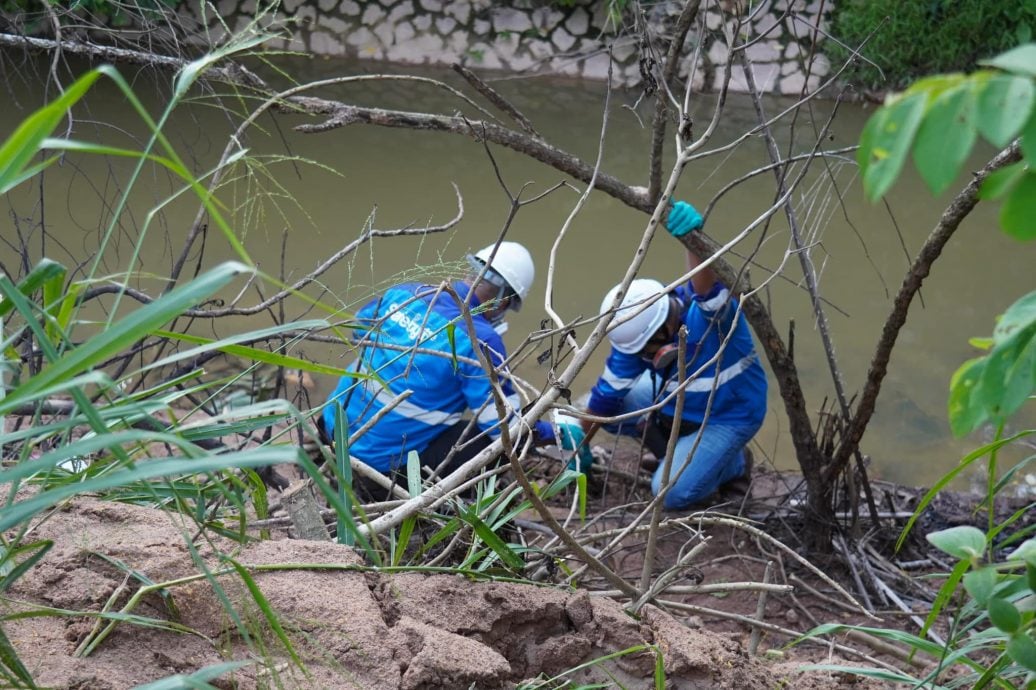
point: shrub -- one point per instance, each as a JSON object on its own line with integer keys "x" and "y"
{"x": 917, "y": 37}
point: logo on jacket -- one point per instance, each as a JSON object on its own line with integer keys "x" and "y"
{"x": 412, "y": 327}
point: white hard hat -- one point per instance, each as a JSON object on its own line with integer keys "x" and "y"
{"x": 632, "y": 334}
{"x": 512, "y": 263}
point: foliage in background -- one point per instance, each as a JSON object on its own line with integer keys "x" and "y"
{"x": 916, "y": 37}
{"x": 35, "y": 16}
{"x": 938, "y": 119}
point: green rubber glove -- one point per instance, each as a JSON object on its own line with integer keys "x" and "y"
{"x": 683, "y": 218}
{"x": 572, "y": 438}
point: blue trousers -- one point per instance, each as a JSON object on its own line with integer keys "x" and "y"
{"x": 702, "y": 461}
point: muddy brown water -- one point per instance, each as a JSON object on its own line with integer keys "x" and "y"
{"x": 395, "y": 178}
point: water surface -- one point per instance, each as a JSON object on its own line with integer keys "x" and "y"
{"x": 396, "y": 178}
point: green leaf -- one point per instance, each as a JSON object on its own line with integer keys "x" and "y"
{"x": 1030, "y": 574}
{"x": 451, "y": 338}
{"x": 995, "y": 386}
{"x": 981, "y": 343}
{"x": 19, "y": 148}
{"x": 1025, "y": 552}
{"x": 1020, "y": 60}
{"x": 964, "y": 542}
{"x": 1029, "y": 139}
{"x": 980, "y": 584}
{"x": 1022, "y": 649}
{"x": 42, "y": 274}
{"x": 886, "y": 140}
{"x": 964, "y": 414}
{"x": 945, "y": 137}
{"x": 1018, "y": 214}
{"x": 1004, "y": 615}
{"x": 493, "y": 541}
{"x": 1004, "y": 106}
{"x": 999, "y": 183}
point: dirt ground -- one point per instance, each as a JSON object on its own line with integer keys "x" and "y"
{"x": 350, "y": 628}
{"x": 342, "y": 624}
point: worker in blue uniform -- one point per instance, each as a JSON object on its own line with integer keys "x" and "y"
{"x": 415, "y": 338}
{"x": 725, "y": 399}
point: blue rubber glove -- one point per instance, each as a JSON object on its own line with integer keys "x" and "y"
{"x": 572, "y": 438}
{"x": 683, "y": 218}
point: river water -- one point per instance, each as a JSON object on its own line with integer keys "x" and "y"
{"x": 398, "y": 178}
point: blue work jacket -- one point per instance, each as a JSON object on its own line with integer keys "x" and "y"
{"x": 737, "y": 376}
{"x": 408, "y": 316}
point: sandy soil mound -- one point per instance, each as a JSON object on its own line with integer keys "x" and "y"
{"x": 350, "y": 626}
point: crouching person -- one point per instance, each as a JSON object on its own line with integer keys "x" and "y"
{"x": 415, "y": 338}
{"x": 721, "y": 364}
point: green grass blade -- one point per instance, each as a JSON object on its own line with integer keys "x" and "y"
{"x": 9, "y": 659}
{"x": 228, "y": 346}
{"x": 877, "y": 673}
{"x": 493, "y": 541}
{"x": 85, "y": 447}
{"x": 943, "y": 481}
{"x": 406, "y": 531}
{"x": 16, "y": 513}
{"x": 268, "y": 612}
{"x": 198, "y": 679}
{"x": 413, "y": 473}
{"x": 123, "y": 333}
{"x": 24, "y": 142}
{"x": 41, "y": 275}
{"x": 943, "y": 596}
{"x": 12, "y": 574}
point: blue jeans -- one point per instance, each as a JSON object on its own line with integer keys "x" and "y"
{"x": 718, "y": 457}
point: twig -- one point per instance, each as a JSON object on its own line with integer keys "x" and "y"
{"x": 668, "y": 576}
{"x": 760, "y": 612}
{"x": 840, "y": 543}
{"x": 716, "y": 588}
{"x": 494, "y": 97}
{"x": 519, "y": 472}
{"x": 808, "y": 269}
{"x": 770, "y": 627}
{"x": 667, "y": 464}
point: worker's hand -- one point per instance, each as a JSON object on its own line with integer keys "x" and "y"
{"x": 683, "y": 218}
{"x": 571, "y": 437}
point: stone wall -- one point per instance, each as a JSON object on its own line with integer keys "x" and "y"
{"x": 532, "y": 37}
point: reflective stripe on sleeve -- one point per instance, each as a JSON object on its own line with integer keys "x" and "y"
{"x": 615, "y": 381}
{"x": 704, "y": 384}
{"x": 411, "y": 411}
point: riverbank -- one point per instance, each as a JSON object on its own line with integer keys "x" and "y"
{"x": 585, "y": 39}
